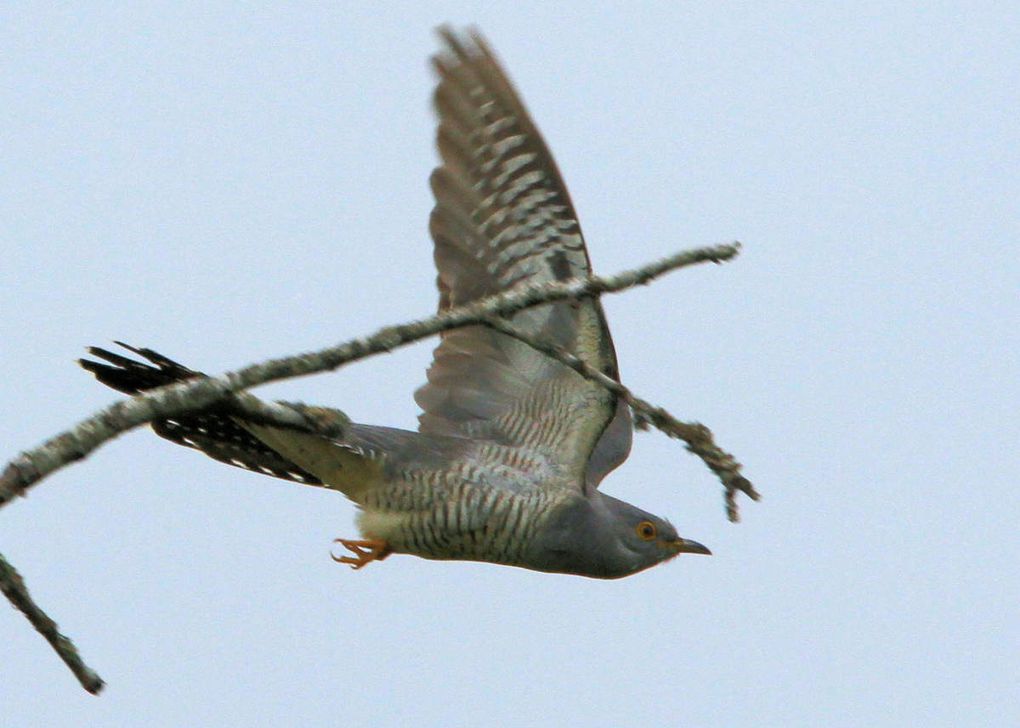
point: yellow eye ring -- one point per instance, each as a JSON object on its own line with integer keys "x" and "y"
{"x": 647, "y": 531}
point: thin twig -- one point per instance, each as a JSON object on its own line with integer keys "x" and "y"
{"x": 13, "y": 587}
{"x": 698, "y": 437}
{"x": 33, "y": 465}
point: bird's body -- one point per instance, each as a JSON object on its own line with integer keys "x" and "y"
{"x": 512, "y": 445}
{"x": 439, "y": 497}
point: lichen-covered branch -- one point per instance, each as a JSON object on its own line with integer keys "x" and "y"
{"x": 13, "y": 587}
{"x": 699, "y": 438}
{"x": 33, "y": 465}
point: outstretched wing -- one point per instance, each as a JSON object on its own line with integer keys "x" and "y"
{"x": 503, "y": 217}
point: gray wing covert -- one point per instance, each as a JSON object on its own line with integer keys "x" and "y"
{"x": 503, "y": 217}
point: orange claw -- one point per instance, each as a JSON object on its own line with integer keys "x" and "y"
{"x": 364, "y": 552}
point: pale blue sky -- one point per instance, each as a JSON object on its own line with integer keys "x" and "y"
{"x": 226, "y": 184}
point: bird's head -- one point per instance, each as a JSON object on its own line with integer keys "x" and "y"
{"x": 606, "y": 538}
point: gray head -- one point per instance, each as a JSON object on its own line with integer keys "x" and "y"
{"x": 606, "y": 538}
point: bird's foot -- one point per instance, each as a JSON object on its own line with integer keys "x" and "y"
{"x": 364, "y": 552}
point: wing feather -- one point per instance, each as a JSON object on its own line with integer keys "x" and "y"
{"x": 502, "y": 217}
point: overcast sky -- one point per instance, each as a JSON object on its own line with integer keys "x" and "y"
{"x": 226, "y": 185}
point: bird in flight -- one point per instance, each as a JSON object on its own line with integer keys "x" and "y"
{"x": 512, "y": 445}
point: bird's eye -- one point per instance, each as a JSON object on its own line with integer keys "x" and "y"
{"x": 646, "y": 531}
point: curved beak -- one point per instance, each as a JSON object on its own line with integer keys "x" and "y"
{"x": 687, "y": 546}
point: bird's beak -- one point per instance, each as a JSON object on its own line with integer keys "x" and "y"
{"x": 687, "y": 546}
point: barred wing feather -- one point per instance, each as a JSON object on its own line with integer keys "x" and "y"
{"x": 503, "y": 217}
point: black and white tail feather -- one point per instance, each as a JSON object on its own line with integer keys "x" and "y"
{"x": 212, "y": 431}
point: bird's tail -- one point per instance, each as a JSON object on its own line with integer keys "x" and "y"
{"x": 212, "y": 431}
{"x": 131, "y": 376}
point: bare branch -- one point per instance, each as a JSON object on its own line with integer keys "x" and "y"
{"x": 13, "y": 587}
{"x": 32, "y": 466}
{"x": 699, "y": 438}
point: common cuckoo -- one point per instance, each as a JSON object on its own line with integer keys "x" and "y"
{"x": 511, "y": 445}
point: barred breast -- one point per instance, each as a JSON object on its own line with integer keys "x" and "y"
{"x": 441, "y": 516}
